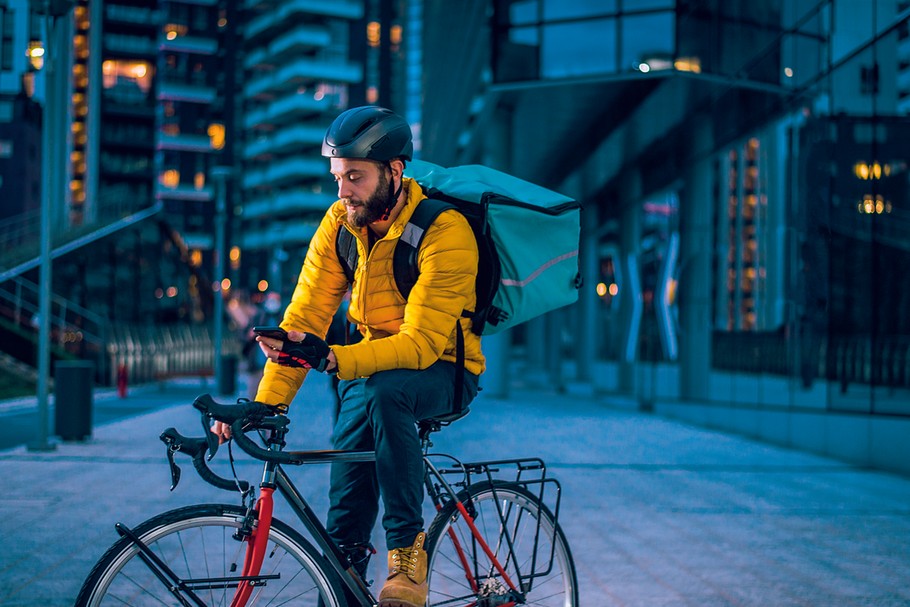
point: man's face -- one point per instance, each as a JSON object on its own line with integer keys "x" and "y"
{"x": 363, "y": 187}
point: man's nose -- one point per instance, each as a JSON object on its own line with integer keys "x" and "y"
{"x": 344, "y": 189}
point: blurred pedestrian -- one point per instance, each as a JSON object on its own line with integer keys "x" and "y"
{"x": 268, "y": 313}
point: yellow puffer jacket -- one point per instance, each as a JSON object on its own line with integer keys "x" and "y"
{"x": 398, "y": 334}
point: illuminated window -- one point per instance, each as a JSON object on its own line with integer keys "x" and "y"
{"x": 216, "y": 134}
{"x": 124, "y": 73}
{"x": 81, "y": 17}
{"x": 395, "y": 35}
{"x": 80, "y": 46}
{"x": 373, "y": 33}
{"x": 173, "y": 30}
{"x": 170, "y": 178}
{"x": 35, "y": 54}
{"x": 199, "y": 180}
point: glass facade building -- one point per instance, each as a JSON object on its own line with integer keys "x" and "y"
{"x": 743, "y": 171}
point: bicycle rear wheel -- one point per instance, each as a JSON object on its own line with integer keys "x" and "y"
{"x": 197, "y": 544}
{"x": 522, "y": 534}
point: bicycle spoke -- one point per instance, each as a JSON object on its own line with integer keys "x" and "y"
{"x": 520, "y": 536}
{"x": 197, "y": 544}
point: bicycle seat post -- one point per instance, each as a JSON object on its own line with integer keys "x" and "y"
{"x": 425, "y": 428}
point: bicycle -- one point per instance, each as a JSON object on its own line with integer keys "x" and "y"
{"x": 493, "y": 542}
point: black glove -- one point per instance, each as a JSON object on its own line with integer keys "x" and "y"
{"x": 311, "y": 353}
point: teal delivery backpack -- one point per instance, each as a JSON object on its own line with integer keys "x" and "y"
{"x": 527, "y": 236}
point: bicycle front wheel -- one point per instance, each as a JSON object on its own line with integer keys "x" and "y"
{"x": 196, "y": 543}
{"x": 524, "y": 538}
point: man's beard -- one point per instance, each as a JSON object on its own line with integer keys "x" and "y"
{"x": 374, "y": 207}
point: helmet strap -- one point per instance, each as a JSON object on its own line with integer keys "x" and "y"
{"x": 393, "y": 194}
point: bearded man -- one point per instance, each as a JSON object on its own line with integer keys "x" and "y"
{"x": 404, "y": 369}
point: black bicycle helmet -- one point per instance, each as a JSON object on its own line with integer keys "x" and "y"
{"x": 369, "y": 132}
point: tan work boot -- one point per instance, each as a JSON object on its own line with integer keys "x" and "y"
{"x": 406, "y": 585}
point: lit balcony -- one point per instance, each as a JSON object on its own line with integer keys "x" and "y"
{"x": 285, "y": 172}
{"x": 290, "y": 108}
{"x": 184, "y": 143}
{"x": 292, "y": 75}
{"x": 130, "y": 14}
{"x": 278, "y": 234}
{"x": 286, "y": 140}
{"x": 189, "y": 44}
{"x": 129, "y": 45}
{"x": 184, "y": 192}
{"x": 288, "y": 201}
{"x": 176, "y": 91}
{"x": 277, "y": 16}
{"x": 202, "y": 242}
{"x": 903, "y": 80}
{"x": 300, "y": 40}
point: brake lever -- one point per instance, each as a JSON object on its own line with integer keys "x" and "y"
{"x": 210, "y": 439}
{"x": 175, "y": 469}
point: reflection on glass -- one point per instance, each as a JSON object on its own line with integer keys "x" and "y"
{"x": 578, "y": 49}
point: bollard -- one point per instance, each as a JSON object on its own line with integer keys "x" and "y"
{"x": 228, "y": 380}
{"x": 121, "y": 380}
{"x": 73, "y": 383}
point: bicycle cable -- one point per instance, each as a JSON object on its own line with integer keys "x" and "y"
{"x": 249, "y": 490}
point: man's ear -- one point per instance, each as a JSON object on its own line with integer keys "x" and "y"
{"x": 397, "y": 167}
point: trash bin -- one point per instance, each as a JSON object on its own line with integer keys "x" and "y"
{"x": 73, "y": 383}
{"x": 227, "y": 382}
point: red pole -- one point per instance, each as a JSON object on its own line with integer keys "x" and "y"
{"x": 121, "y": 380}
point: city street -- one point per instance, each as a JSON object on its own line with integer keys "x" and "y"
{"x": 658, "y": 513}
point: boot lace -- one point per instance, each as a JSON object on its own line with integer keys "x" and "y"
{"x": 404, "y": 560}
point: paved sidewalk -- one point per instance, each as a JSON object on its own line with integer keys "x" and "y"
{"x": 658, "y": 513}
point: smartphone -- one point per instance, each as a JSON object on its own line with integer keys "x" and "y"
{"x": 271, "y": 332}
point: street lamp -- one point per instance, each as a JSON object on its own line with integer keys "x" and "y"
{"x": 52, "y": 192}
{"x": 221, "y": 175}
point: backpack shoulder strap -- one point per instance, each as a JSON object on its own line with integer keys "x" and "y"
{"x": 404, "y": 261}
{"x": 346, "y": 248}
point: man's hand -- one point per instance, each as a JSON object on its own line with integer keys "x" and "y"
{"x": 301, "y": 350}
{"x": 222, "y": 431}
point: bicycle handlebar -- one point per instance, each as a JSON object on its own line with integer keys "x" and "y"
{"x": 252, "y": 415}
{"x": 196, "y": 448}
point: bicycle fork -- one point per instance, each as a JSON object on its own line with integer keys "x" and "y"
{"x": 257, "y": 540}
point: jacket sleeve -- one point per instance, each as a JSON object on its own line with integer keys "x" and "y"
{"x": 320, "y": 288}
{"x": 447, "y": 263}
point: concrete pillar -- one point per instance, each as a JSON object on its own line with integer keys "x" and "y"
{"x": 585, "y": 332}
{"x": 498, "y": 348}
{"x": 695, "y": 284}
{"x": 630, "y": 290}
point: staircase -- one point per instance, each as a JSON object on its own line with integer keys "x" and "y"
{"x": 20, "y": 236}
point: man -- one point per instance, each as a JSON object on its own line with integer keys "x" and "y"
{"x": 404, "y": 368}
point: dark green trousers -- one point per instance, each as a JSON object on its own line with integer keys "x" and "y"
{"x": 380, "y": 412}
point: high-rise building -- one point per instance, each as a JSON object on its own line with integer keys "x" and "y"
{"x": 21, "y": 55}
{"x": 298, "y": 72}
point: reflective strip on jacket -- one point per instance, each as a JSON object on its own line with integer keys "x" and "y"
{"x": 397, "y": 334}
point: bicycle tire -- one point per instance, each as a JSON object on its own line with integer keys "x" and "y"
{"x": 555, "y": 583}
{"x": 196, "y": 542}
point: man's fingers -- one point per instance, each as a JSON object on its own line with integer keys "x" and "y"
{"x": 222, "y": 431}
{"x": 272, "y": 344}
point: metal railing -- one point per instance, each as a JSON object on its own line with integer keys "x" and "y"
{"x": 149, "y": 353}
